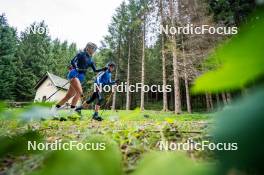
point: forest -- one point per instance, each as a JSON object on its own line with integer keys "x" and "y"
{"x": 141, "y": 53}
{"x": 217, "y": 92}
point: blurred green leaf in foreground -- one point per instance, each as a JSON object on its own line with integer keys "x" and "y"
{"x": 17, "y": 144}
{"x": 101, "y": 162}
{"x": 241, "y": 64}
{"x": 241, "y": 59}
{"x": 156, "y": 163}
{"x": 242, "y": 124}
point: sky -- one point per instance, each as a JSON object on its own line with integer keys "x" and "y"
{"x": 78, "y": 21}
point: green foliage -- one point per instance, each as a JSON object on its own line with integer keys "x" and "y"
{"x": 242, "y": 124}
{"x": 101, "y": 162}
{"x": 35, "y": 50}
{"x": 241, "y": 60}
{"x": 105, "y": 55}
{"x": 37, "y": 54}
{"x": 62, "y": 53}
{"x": 31, "y": 112}
{"x": 8, "y": 42}
{"x": 25, "y": 59}
{"x": 171, "y": 163}
{"x": 23, "y": 88}
{"x": 131, "y": 134}
{"x": 231, "y": 12}
{"x": 17, "y": 144}
{"x": 241, "y": 64}
{"x": 125, "y": 34}
{"x": 34, "y": 55}
{"x": 137, "y": 115}
{"x": 2, "y": 107}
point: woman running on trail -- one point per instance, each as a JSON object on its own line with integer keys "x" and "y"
{"x": 103, "y": 79}
{"x": 79, "y": 65}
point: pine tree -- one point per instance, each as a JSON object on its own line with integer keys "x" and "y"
{"x": 164, "y": 79}
{"x": 176, "y": 79}
{"x": 8, "y": 42}
{"x": 35, "y": 56}
{"x": 24, "y": 90}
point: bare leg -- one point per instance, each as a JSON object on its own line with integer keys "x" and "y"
{"x": 78, "y": 89}
{"x": 97, "y": 107}
{"x": 70, "y": 94}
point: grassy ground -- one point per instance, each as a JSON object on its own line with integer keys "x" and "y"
{"x": 134, "y": 132}
{"x": 147, "y": 115}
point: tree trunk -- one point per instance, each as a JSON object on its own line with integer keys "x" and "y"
{"x": 228, "y": 97}
{"x": 128, "y": 79}
{"x": 165, "y": 99}
{"x": 188, "y": 101}
{"x": 147, "y": 97}
{"x": 143, "y": 67}
{"x": 122, "y": 102}
{"x": 114, "y": 95}
{"x": 208, "y": 108}
{"x": 116, "y": 74}
{"x": 172, "y": 99}
{"x": 218, "y": 100}
{"x": 224, "y": 98}
{"x": 211, "y": 102}
{"x": 177, "y": 97}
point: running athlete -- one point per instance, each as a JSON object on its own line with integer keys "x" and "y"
{"x": 79, "y": 65}
{"x": 104, "y": 78}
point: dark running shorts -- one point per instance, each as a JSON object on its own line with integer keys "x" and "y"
{"x": 98, "y": 96}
